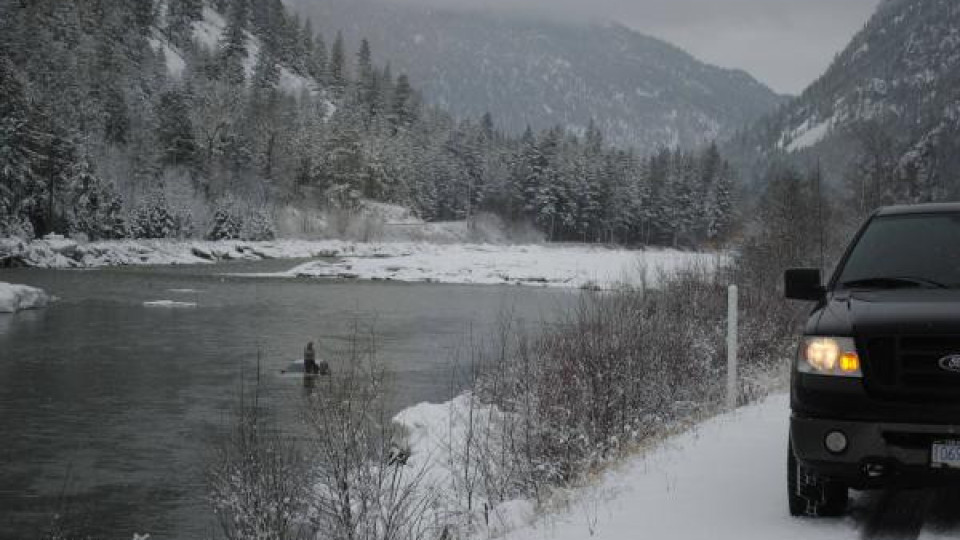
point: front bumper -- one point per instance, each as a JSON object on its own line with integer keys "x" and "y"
{"x": 878, "y": 454}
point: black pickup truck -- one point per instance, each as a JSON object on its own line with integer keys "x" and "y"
{"x": 875, "y": 390}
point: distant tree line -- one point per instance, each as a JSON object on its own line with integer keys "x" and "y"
{"x": 140, "y": 118}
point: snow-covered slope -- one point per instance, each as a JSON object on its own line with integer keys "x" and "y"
{"x": 891, "y": 92}
{"x": 640, "y": 91}
{"x": 208, "y": 33}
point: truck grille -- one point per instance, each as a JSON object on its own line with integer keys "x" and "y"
{"x": 908, "y": 367}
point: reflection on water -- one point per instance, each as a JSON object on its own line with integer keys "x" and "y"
{"x": 21, "y": 319}
{"x": 6, "y": 321}
{"x": 105, "y": 405}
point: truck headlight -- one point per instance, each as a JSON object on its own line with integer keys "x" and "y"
{"x": 836, "y": 356}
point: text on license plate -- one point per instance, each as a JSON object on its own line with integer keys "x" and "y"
{"x": 945, "y": 455}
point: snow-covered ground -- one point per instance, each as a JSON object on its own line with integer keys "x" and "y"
{"x": 556, "y": 266}
{"x": 577, "y": 266}
{"x": 14, "y": 298}
{"x": 724, "y": 479}
{"x": 60, "y": 253}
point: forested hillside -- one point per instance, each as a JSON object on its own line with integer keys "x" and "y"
{"x": 884, "y": 120}
{"x": 184, "y": 118}
{"x": 535, "y": 70}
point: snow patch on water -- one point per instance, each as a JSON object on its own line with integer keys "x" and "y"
{"x": 169, "y": 304}
{"x": 14, "y": 298}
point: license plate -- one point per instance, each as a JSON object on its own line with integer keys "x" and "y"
{"x": 945, "y": 455}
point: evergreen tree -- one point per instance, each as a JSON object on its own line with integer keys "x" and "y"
{"x": 345, "y": 172}
{"x": 19, "y": 145}
{"x": 338, "y": 70}
{"x": 117, "y": 120}
{"x": 153, "y": 218}
{"x": 402, "y": 112}
{"x": 318, "y": 62}
{"x": 96, "y": 210}
{"x": 719, "y": 206}
{"x": 180, "y": 16}
{"x": 366, "y": 84}
{"x": 226, "y": 225}
{"x": 266, "y": 73}
{"x": 144, "y": 16}
{"x": 175, "y": 130}
{"x": 233, "y": 50}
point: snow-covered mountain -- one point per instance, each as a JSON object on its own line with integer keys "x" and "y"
{"x": 887, "y": 106}
{"x": 641, "y": 91}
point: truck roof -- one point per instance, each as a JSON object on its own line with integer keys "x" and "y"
{"x": 934, "y": 208}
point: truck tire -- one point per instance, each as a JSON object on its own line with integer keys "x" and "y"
{"x": 812, "y": 495}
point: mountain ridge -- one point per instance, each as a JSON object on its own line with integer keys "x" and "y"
{"x": 647, "y": 94}
{"x": 885, "y": 116}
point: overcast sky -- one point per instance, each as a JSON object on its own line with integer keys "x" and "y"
{"x": 784, "y": 43}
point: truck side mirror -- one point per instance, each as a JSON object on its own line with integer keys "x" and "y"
{"x": 803, "y": 284}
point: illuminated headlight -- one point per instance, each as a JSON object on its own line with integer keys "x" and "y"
{"x": 829, "y": 356}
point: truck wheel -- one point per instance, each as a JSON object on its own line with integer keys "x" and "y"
{"x": 812, "y": 495}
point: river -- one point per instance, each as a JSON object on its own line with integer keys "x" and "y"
{"x": 107, "y": 407}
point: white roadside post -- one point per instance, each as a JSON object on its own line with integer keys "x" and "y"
{"x": 732, "y": 310}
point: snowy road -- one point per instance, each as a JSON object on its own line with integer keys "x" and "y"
{"x": 725, "y": 480}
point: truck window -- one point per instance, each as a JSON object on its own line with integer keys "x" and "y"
{"x": 922, "y": 247}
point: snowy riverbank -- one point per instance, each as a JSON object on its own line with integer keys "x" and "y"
{"x": 728, "y": 473}
{"x": 14, "y": 298}
{"x": 653, "y": 492}
{"x": 575, "y": 266}
{"x": 63, "y": 253}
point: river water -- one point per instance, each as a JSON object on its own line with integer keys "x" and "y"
{"x": 107, "y": 407}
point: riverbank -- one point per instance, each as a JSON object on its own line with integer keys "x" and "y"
{"x": 571, "y": 266}
{"x": 652, "y": 489}
{"x": 561, "y": 265}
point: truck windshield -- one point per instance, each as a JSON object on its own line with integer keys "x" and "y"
{"x": 920, "y": 250}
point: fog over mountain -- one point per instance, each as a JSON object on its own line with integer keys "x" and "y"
{"x": 784, "y": 43}
{"x": 530, "y": 70}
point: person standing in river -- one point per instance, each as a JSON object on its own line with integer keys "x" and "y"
{"x": 310, "y": 366}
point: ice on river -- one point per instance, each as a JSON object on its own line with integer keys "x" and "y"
{"x": 169, "y": 304}
{"x": 14, "y": 298}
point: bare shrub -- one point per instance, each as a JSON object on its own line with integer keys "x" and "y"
{"x": 364, "y": 489}
{"x": 257, "y": 479}
{"x": 620, "y": 369}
